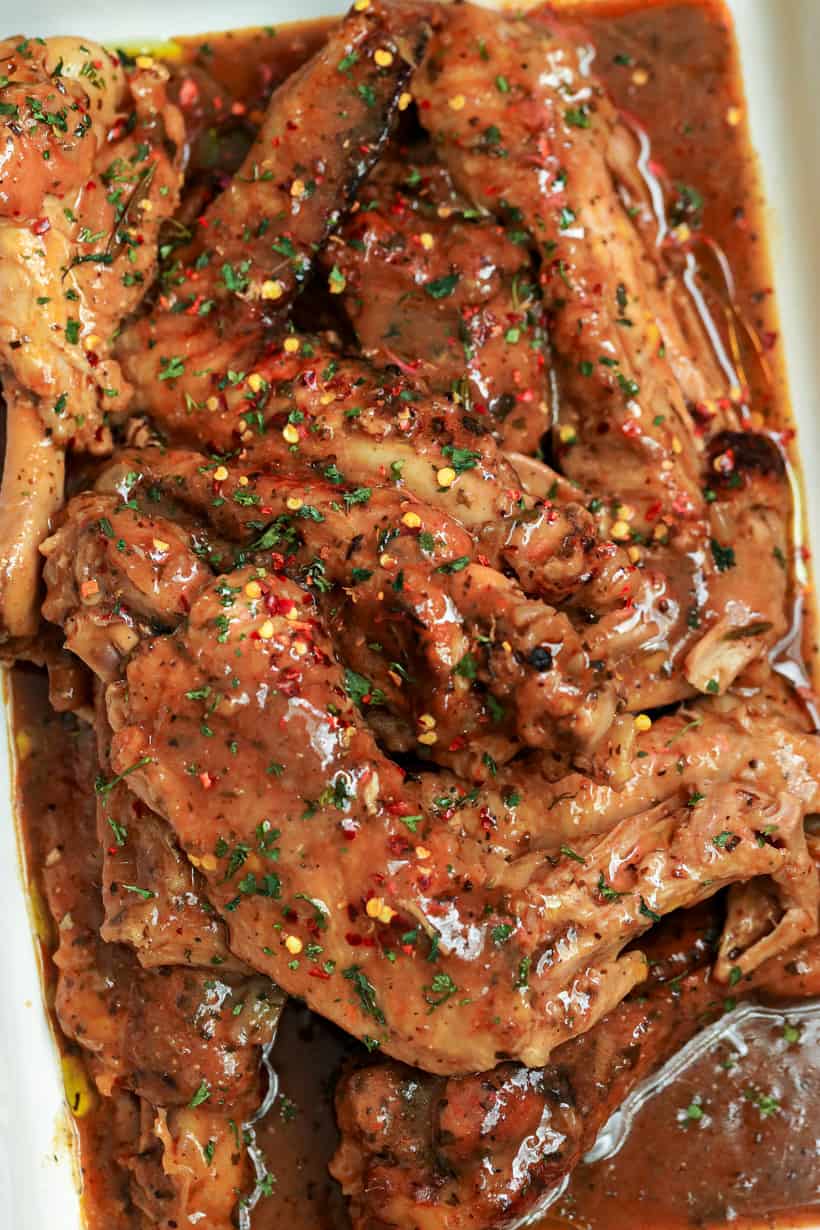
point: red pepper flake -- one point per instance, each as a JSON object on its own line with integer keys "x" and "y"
{"x": 316, "y": 972}
{"x": 41, "y": 226}
{"x": 724, "y": 463}
{"x": 188, "y": 93}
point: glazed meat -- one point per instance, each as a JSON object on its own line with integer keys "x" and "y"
{"x": 90, "y": 173}
{"x": 482, "y": 1151}
{"x": 259, "y": 236}
{"x": 185, "y": 1043}
{"x": 626, "y": 429}
{"x": 446, "y": 295}
{"x": 254, "y": 653}
{"x": 549, "y": 167}
{"x": 419, "y": 580}
{"x": 534, "y": 664}
{"x": 79, "y": 236}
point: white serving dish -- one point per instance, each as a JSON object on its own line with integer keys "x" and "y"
{"x": 779, "y": 41}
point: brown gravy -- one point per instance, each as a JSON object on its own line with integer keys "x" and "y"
{"x": 731, "y": 1138}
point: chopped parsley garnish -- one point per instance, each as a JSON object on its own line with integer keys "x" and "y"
{"x": 202, "y": 1094}
{"x": 577, "y": 117}
{"x": 440, "y": 288}
{"x": 439, "y": 991}
{"x": 607, "y": 891}
{"x": 724, "y": 557}
{"x": 366, "y": 992}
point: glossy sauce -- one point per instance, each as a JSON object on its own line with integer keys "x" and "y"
{"x": 734, "y": 1156}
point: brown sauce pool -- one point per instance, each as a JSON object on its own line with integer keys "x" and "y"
{"x": 731, "y": 1140}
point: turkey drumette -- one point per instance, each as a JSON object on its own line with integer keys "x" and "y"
{"x": 91, "y": 173}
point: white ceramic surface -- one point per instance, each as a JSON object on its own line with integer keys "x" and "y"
{"x": 780, "y": 41}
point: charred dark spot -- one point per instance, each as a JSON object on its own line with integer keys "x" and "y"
{"x": 541, "y": 658}
{"x": 470, "y": 423}
{"x": 503, "y": 406}
{"x": 750, "y": 452}
{"x": 355, "y": 543}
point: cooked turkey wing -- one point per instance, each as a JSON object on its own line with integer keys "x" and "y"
{"x": 90, "y": 172}
{"x": 282, "y": 770}
{"x": 113, "y": 575}
{"x": 258, "y": 238}
{"x": 624, "y": 427}
{"x": 158, "y": 1033}
{"x": 475, "y": 1152}
{"x": 682, "y": 755}
{"x": 453, "y": 621}
{"x": 305, "y": 403}
{"x": 323, "y": 130}
{"x": 289, "y": 757}
{"x": 78, "y": 250}
{"x": 174, "y": 1036}
{"x": 447, "y": 296}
